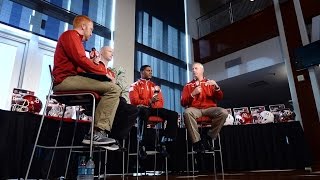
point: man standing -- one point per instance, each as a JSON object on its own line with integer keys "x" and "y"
{"x": 200, "y": 97}
{"x": 148, "y": 98}
{"x": 69, "y": 56}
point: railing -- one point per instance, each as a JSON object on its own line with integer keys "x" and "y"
{"x": 230, "y": 12}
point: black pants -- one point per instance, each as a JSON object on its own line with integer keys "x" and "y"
{"x": 125, "y": 118}
{"x": 170, "y": 116}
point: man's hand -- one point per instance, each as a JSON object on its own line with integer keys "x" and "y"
{"x": 154, "y": 98}
{"x": 95, "y": 56}
{"x": 213, "y": 83}
{"x": 196, "y": 91}
{"x": 111, "y": 77}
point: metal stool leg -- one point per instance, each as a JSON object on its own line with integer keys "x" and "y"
{"x": 192, "y": 156}
{"x": 219, "y": 150}
{"x": 221, "y": 159}
{"x": 155, "y": 154}
{"x": 38, "y": 134}
{"x": 128, "y": 149}
{"x": 123, "y": 156}
{"x": 105, "y": 164}
{"x": 187, "y": 147}
{"x": 72, "y": 142}
{"x": 56, "y": 142}
{"x": 214, "y": 160}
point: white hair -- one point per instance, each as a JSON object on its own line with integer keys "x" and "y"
{"x": 196, "y": 63}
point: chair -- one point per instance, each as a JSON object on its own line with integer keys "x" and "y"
{"x": 154, "y": 122}
{"x": 69, "y": 98}
{"x": 202, "y": 122}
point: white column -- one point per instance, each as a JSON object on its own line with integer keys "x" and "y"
{"x": 124, "y": 37}
{"x": 286, "y": 57}
{"x": 305, "y": 41}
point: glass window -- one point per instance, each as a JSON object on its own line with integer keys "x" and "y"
{"x": 161, "y": 44}
{"x": 51, "y": 25}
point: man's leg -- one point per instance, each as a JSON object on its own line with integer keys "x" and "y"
{"x": 107, "y": 106}
{"x": 170, "y": 131}
{"x": 172, "y": 121}
{"x": 144, "y": 113}
{"x": 126, "y": 117}
{"x": 190, "y": 115}
{"x": 219, "y": 116}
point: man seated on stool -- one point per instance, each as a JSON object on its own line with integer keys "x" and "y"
{"x": 149, "y": 100}
{"x": 68, "y": 56}
{"x": 126, "y": 114}
{"x": 200, "y": 97}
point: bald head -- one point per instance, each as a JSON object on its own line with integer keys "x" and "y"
{"x": 198, "y": 70}
{"x": 106, "y": 53}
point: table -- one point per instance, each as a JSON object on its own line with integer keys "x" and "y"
{"x": 245, "y": 147}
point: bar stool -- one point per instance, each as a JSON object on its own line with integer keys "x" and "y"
{"x": 202, "y": 122}
{"x": 154, "y": 122}
{"x": 69, "y": 98}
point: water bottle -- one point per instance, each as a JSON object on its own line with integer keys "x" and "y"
{"x": 82, "y": 170}
{"x": 90, "y": 169}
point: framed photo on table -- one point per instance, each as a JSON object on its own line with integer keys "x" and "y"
{"x": 275, "y": 110}
{"x": 237, "y": 111}
{"x": 255, "y": 111}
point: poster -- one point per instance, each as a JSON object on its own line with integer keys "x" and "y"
{"x": 17, "y": 101}
{"x": 255, "y": 112}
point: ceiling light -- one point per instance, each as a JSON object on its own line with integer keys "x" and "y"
{"x": 251, "y": 0}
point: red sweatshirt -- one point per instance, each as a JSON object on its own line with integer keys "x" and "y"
{"x": 207, "y": 98}
{"x": 142, "y": 91}
{"x": 69, "y": 55}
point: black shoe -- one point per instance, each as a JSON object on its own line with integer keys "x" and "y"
{"x": 162, "y": 149}
{"x": 142, "y": 152}
{"x": 198, "y": 147}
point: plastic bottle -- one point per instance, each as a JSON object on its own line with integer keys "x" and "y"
{"x": 82, "y": 170}
{"x": 90, "y": 169}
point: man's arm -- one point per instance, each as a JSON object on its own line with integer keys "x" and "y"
{"x": 76, "y": 53}
{"x": 159, "y": 103}
{"x": 186, "y": 97}
{"x": 217, "y": 94}
{"x": 134, "y": 96}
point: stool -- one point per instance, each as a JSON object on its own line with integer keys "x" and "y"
{"x": 153, "y": 122}
{"x": 69, "y": 98}
{"x": 202, "y": 122}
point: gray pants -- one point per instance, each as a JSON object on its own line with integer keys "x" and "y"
{"x": 108, "y": 103}
{"x": 218, "y": 115}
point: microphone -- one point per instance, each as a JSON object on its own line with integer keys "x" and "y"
{"x": 94, "y": 53}
{"x": 156, "y": 90}
{"x": 197, "y": 83}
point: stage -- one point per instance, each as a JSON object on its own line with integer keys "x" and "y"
{"x": 244, "y": 147}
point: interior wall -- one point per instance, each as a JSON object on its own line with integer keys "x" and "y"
{"x": 193, "y": 9}
{"x": 124, "y": 37}
{"x": 253, "y": 58}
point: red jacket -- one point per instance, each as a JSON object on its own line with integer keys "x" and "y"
{"x": 142, "y": 91}
{"x": 207, "y": 98}
{"x": 69, "y": 55}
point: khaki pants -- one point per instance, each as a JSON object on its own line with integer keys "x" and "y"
{"x": 108, "y": 103}
{"x": 218, "y": 115}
